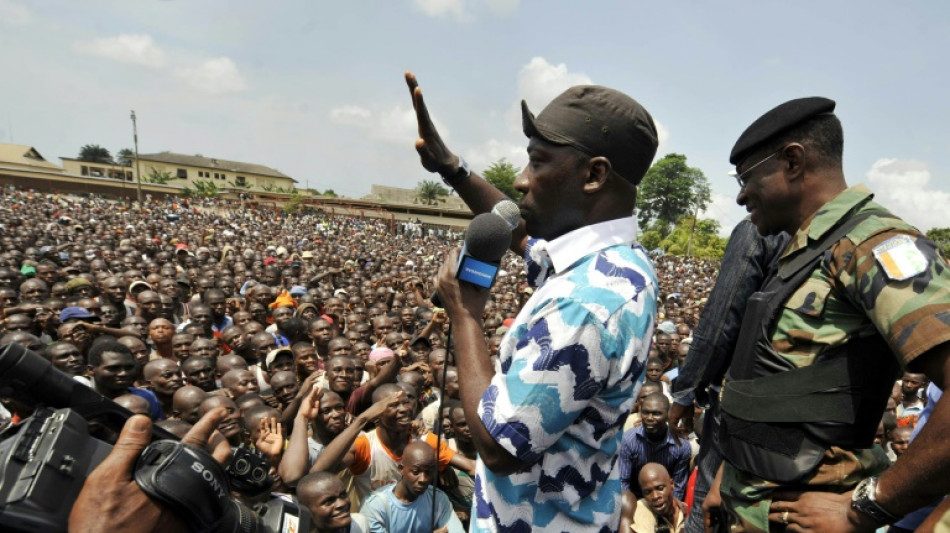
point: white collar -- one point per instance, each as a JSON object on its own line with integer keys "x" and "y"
{"x": 567, "y": 249}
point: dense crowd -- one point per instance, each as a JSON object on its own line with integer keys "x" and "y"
{"x": 317, "y": 335}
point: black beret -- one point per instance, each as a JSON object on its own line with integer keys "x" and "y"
{"x": 779, "y": 119}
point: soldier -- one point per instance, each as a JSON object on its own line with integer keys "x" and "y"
{"x": 857, "y": 291}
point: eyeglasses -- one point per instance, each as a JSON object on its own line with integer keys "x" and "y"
{"x": 740, "y": 178}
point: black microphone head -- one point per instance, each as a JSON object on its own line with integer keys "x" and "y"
{"x": 488, "y": 237}
{"x": 509, "y": 211}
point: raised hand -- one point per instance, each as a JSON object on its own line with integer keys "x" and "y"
{"x": 310, "y": 406}
{"x": 271, "y": 439}
{"x": 433, "y": 153}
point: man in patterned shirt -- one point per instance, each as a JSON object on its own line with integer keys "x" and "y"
{"x": 546, "y": 419}
{"x": 875, "y": 293}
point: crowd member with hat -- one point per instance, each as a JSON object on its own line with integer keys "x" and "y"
{"x": 588, "y": 150}
{"x": 858, "y": 292}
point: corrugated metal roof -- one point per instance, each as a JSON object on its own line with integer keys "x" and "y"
{"x": 210, "y": 162}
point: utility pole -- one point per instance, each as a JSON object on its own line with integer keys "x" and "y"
{"x": 692, "y": 227}
{"x": 138, "y": 174}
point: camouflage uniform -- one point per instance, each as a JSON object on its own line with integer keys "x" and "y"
{"x": 883, "y": 277}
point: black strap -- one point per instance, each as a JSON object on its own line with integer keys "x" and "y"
{"x": 796, "y": 394}
{"x": 801, "y": 395}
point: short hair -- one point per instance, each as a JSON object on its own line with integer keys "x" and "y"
{"x": 295, "y": 328}
{"x": 106, "y": 345}
{"x": 660, "y": 397}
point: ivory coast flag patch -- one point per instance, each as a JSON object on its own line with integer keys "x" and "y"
{"x": 900, "y": 258}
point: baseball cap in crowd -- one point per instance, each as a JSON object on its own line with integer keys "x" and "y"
{"x": 139, "y": 286}
{"x": 298, "y": 290}
{"x": 76, "y": 313}
{"x": 599, "y": 122}
{"x": 76, "y": 283}
{"x": 273, "y": 354}
{"x": 666, "y": 327}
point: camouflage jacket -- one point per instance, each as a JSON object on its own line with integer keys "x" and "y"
{"x": 886, "y": 277}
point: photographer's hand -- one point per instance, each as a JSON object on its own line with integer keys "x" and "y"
{"x": 112, "y": 501}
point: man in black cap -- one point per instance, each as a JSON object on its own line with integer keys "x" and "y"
{"x": 857, "y": 292}
{"x": 547, "y": 426}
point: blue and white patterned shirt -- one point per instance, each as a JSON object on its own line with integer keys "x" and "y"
{"x": 564, "y": 383}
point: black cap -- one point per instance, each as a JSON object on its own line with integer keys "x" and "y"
{"x": 776, "y": 121}
{"x": 599, "y": 122}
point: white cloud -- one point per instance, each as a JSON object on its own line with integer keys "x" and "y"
{"x": 539, "y": 82}
{"x": 441, "y": 8}
{"x": 503, "y": 7}
{"x": 463, "y": 9}
{"x": 396, "y": 125}
{"x": 481, "y": 157}
{"x": 126, "y": 48}
{"x": 350, "y": 115}
{"x": 214, "y": 76}
{"x": 725, "y": 210}
{"x": 902, "y": 187}
{"x": 14, "y": 13}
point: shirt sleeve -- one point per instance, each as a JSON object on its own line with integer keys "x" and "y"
{"x": 557, "y": 369}
{"x": 445, "y": 453}
{"x": 447, "y": 516}
{"x": 680, "y": 473}
{"x": 913, "y": 313}
{"x": 361, "y": 455}
{"x": 374, "y": 510}
{"x": 626, "y": 465}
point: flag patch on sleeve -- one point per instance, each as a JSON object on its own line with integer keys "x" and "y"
{"x": 899, "y": 258}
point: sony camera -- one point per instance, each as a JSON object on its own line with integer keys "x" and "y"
{"x": 44, "y": 460}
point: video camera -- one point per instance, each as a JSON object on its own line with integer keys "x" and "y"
{"x": 44, "y": 461}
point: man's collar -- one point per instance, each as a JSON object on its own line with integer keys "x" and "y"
{"x": 827, "y": 217}
{"x": 667, "y": 438}
{"x": 569, "y": 248}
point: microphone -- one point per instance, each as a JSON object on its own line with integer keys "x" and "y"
{"x": 508, "y": 210}
{"x": 487, "y": 239}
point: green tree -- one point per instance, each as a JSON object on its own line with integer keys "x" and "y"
{"x": 699, "y": 239}
{"x": 671, "y": 190}
{"x": 158, "y": 176}
{"x": 124, "y": 157}
{"x": 201, "y": 189}
{"x": 330, "y": 193}
{"x": 502, "y": 174}
{"x": 941, "y": 236}
{"x": 431, "y": 192}
{"x": 95, "y": 154}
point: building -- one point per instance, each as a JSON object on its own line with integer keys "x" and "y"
{"x": 184, "y": 170}
{"x": 22, "y": 157}
{"x": 97, "y": 170}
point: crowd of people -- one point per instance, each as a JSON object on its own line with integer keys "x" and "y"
{"x": 316, "y": 333}
{"x": 318, "y": 337}
{"x": 592, "y": 389}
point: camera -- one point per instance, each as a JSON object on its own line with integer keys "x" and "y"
{"x": 44, "y": 460}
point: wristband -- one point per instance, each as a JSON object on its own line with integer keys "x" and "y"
{"x": 460, "y": 175}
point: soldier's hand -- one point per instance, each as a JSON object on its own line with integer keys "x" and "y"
{"x": 820, "y": 512}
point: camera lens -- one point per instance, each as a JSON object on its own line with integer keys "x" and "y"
{"x": 241, "y": 466}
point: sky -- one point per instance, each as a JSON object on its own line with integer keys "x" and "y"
{"x": 315, "y": 89}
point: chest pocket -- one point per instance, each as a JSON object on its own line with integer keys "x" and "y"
{"x": 809, "y": 299}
